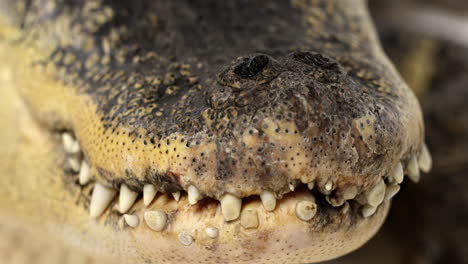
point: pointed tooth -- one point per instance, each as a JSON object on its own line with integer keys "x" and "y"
{"x": 70, "y": 144}
{"x": 368, "y": 210}
{"x": 397, "y": 173}
{"x": 377, "y": 194}
{"x": 311, "y": 185}
{"x": 101, "y": 198}
{"x": 268, "y": 200}
{"x": 350, "y": 193}
{"x": 149, "y": 192}
{"x": 85, "y": 174}
{"x": 291, "y": 187}
{"x": 176, "y": 196}
{"x": 249, "y": 218}
{"x": 306, "y": 210}
{"x": 156, "y": 220}
{"x": 391, "y": 191}
{"x": 413, "y": 170}
{"x": 131, "y": 220}
{"x": 193, "y": 195}
{"x": 425, "y": 160}
{"x": 230, "y": 207}
{"x": 126, "y": 199}
{"x": 212, "y": 232}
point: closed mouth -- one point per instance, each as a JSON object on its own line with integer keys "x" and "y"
{"x": 154, "y": 205}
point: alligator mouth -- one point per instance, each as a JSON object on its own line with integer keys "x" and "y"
{"x": 150, "y": 205}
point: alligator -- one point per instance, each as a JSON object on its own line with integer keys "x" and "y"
{"x": 208, "y": 132}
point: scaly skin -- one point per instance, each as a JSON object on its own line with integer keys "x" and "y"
{"x": 154, "y": 98}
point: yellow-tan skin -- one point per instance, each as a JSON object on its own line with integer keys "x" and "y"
{"x": 35, "y": 202}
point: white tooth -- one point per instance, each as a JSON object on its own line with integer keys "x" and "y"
{"x": 101, "y": 198}
{"x": 377, "y": 194}
{"x": 74, "y": 164}
{"x": 310, "y": 185}
{"x": 126, "y": 199}
{"x": 85, "y": 174}
{"x": 268, "y": 200}
{"x": 230, "y": 207}
{"x": 131, "y": 220}
{"x": 193, "y": 195}
{"x": 70, "y": 144}
{"x": 350, "y": 193}
{"x": 306, "y": 210}
{"x": 212, "y": 232}
{"x": 149, "y": 192}
{"x": 397, "y": 173}
{"x": 368, "y": 210}
{"x": 249, "y": 218}
{"x": 156, "y": 220}
{"x": 328, "y": 186}
{"x": 176, "y": 196}
{"x": 391, "y": 191}
{"x": 425, "y": 160}
{"x": 291, "y": 187}
{"x": 413, "y": 170}
{"x": 185, "y": 239}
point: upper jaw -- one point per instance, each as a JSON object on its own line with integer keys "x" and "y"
{"x": 304, "y": 118}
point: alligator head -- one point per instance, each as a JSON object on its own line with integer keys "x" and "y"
{"x": 214, "y": 132}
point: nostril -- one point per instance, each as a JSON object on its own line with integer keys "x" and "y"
{"x": 249, "y": 67}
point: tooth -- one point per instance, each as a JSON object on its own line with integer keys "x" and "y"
{"x": 101, "y": 198}
{"x": 74, "y": 164}
{"x": 131, "y": 220}
{"x": 126, "y": 199}
{"x": 212, "y": 232}
{"x": 85, "y": 174}
{"x": 306, "y": 210}
{"x": 397, "y": 173}
{"x": 268, "y": 200}
{"x": 185, "y": 239}
{"x": 193, "y": 195}
{"x": 156, "y": 220}
{"x": 391, "y": 191}
{"x": 176, "y": 196}
{"x": 413, "y": 170}
{"x": 310, "y": 185}
{"x": 350, "y": 193}
{"x": 376, "y": 195}
{"x": 425, "y": 160}
{"x": 149, "y": 192}
{"x": 328, "y": 187}
{"x": 249, "y": 218}
{"x": 291, "y": 187}
{"x": 368, "y": 210}
{"x": 230, "y": 207}
{"x": 70, "y": 144}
